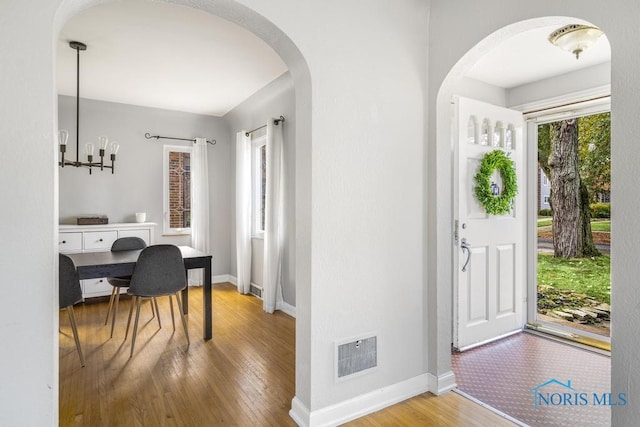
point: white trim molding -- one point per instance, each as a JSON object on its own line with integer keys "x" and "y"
{"x": 223, "y": 278}
{"x": 220, "y": 278}
{"x": 359, "y": 406}
{"x": 299, "y": 413}
{"x": 282, "y": 306}
{"x": 595, "y": 96}
{"x": 442, "y": 384}
{"x": 286, "y": 308}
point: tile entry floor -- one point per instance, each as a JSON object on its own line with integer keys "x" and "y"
{"x": 503, "y": 375}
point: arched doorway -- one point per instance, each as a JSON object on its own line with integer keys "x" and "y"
{"x": 244, "y": 16}
{"x": 456, "y": 83}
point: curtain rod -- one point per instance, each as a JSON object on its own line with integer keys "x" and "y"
{"x": 149, "y": 136}
{"x": 275, "y": 122}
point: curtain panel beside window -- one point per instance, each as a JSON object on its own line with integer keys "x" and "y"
{"x": 243, "y": 212}
{"x": 199, "y": 203}
{"x": 274, "y": 215}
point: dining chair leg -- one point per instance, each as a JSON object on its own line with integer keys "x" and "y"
{"x": 153, "y": 310}
{"x": 115, "y": 311}
{"x": 135, "y": 326}
{"x": 74, "y": 328}
{"x": 173, "y": 320}
{"x": 184, "y": 322}
{"x": 133, "y": 302}
{"x": 155, "y": 303}
{"x": 113, "y": 294}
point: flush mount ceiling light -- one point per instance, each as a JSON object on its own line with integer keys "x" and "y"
{"x": 575, "y": 38}
{"x": 103, "y": 141}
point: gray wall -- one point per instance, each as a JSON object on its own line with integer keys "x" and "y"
{"x": 274, "y": 100}
{"x": 136, "y": 185}
{"x": 475, "y": 89}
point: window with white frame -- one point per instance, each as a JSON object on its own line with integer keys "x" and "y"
{"x": 258, "y": 181}
{"x": 177, "y": 189}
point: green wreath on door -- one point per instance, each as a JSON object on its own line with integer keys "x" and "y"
{"x": 485, "y": 190}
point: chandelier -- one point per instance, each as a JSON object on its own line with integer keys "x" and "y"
{"x": 103, "y": 141}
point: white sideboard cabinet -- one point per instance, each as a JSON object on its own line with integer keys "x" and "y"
{"x": 97, "y": 238}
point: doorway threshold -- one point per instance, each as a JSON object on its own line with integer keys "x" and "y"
{"x": 489, "y": 407}
{"x": 571, "y": 337}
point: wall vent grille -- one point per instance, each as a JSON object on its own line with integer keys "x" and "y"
{"x": 255, "y": 290}
{"x": 357, "y": 356}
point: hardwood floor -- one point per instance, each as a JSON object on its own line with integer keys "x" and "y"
{"x": 428, "y": 410}
{"x": 244, "y": 376}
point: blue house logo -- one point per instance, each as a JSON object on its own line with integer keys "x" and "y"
{"x": 556, "y": 393}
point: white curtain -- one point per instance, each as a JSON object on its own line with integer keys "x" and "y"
{"x": 199, "y": 203}
{"x": 243, "y": 211}
{"x": 274, "y": 213}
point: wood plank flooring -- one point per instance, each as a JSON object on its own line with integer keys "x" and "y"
{"x": 244, "y": 376}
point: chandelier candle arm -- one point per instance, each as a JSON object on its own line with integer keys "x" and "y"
{"x": 114, "y": 150}
{"x": 63, "y": 136}
{"x": 103, "y": 141}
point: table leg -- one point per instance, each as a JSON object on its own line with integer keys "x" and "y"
{"x": 207, "y": 303}
{"x": 185, "y": 295}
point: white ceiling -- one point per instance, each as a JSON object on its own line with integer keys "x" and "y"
{"x": 165, "y": 56}
{"x": 529, "y": 56}
{"x": 174, "y": 57}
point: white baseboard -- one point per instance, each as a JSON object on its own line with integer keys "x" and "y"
{"x": 299, "y": 412}
{"x": 441, "y": 384}
{"x": 359, "y": 406}
{"x": 283, "y": 306}
{"x": 286, "y": 308}
{"x": 222, "y": 278}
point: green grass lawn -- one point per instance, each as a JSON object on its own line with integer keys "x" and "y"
{"x": 601, "y": 225}
{"x": 544, "y": 221}
{"x": 589, "y": 276}
{"x": 596, "y": 224}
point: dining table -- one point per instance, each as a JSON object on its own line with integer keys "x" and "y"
{"x": 91, "y": 265}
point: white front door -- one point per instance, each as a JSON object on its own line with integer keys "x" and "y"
{"x": 489, "y": 292}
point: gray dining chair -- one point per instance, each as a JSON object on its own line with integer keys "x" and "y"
{"x": 122, "y": 244}
{"x": 159, "y": 271}
{"x": 70, "y": 293}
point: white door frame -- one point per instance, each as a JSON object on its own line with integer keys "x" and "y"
{"x": 579, "y": 104}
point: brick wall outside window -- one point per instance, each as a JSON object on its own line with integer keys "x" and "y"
{"x": 179, "y": 190}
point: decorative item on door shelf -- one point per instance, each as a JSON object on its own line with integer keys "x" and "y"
{"x": 494, "y": 201}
